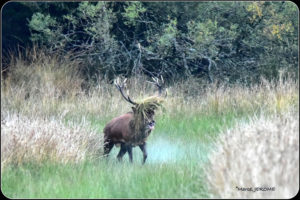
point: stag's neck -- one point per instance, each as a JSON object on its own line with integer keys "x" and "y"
{"x": 139, "y": 132}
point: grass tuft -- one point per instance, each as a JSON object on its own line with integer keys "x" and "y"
{"x": 262, "y": 153}
{"x": 26, "y": 139}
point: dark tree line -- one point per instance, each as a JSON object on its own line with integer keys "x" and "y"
{"x": 215, "y": 41}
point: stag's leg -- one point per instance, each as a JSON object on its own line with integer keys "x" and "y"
{"x": 143, "y": 148}
{"x": 107, "y": 147}
{"x": 129, "y": 150}
{"x": 123, "y": 150}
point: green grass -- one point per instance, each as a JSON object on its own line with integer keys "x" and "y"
{"x": 200, "y": 127}
{"x": 103, "y": 180}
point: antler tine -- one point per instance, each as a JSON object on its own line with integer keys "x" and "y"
{"x": 162, "y": 79}
{"x": 120, "y": 88}
{"x": 124, "y": 82}
{"x": 157, "y": 84}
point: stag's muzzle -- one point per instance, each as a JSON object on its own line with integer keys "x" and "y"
{"x": 151, "y": 125}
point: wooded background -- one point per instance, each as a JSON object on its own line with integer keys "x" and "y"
{"x": 232, "y": 42}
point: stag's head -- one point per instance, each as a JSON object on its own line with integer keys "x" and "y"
{"x": 144, "y": 110}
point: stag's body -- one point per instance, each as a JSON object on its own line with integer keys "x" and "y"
{"x": 121, "y": 131}
{"x": 118, "y": 129}
{"x": 130, "y": 129}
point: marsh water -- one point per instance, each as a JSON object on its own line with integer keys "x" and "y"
{"x": 162, "y": 149}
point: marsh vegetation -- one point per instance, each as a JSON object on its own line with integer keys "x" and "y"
{"x": 52, "y": 136}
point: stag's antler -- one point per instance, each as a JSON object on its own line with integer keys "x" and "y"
{"x": 120, "y": 88}
{"x": 158, "y": 83}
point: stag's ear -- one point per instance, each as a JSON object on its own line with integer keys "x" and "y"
{"x": 133, "y": 109}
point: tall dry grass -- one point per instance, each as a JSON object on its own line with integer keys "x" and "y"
{"x": 262, "y": 154}
{"x": 269, "y": 96}
{"x": 48, "y": 86}
{"x": 25, "y": 139}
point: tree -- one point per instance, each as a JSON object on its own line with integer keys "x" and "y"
{"x": 214, "y": 41}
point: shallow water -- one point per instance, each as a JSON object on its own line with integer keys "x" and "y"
{"x": 162, "y": 150}
{"x": 165, "y": 150}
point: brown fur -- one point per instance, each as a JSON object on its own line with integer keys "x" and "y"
{"x": 124, "y": 131}
{"x": 117, "y": 130}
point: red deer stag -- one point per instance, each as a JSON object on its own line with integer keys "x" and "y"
{"x": 133, "y": 128}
